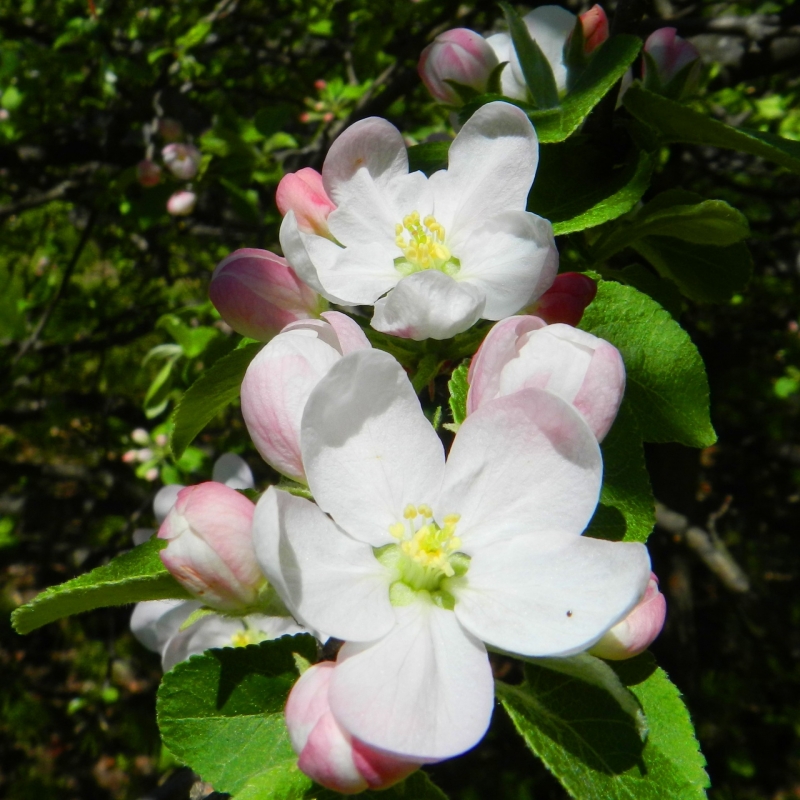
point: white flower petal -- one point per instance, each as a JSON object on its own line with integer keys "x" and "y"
{"x": 372, "y": 144}
{"x": 164, "y": 500}
{"x": 233, "y": 471}
{"x": 308, "y": 254}
{"x": 512, "y": 259}
{"x": 424, "y": 692}
{"x": 504, "y": 50}
{"x": 549, "y": 26}
{"x": 327, "y": 580}
{"x": 550, "y": 595}
{"x": 208, "y": 632}
{"x": 366, "y": 214}
{"x": 367, "y": 448}
{"x": 429, "y": 305}
{"x": 525, "y": 463}
{"x": 491, "y": 165}
{"x": 362, "y": 273}
{"x": 155, "y": 622}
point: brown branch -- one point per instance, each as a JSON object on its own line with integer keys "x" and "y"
{"x": 706, "y": 545}
{"x": 38, "y": 199}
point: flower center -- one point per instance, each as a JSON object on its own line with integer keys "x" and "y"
{"x": 423, "y": 247}
{"x": 424, "y": 558}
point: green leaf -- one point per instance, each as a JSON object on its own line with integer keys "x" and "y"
{"x": 157, "y": 397}
{"x": 535, "y": 67}
{"x": 607, "y": 65}
{"x": 130, "y": 578}
{"x": 428, "y": 157}
{"x": 675, "y": 122}
{"x": 679, "y": 214}
{"x": 592, "y": 745}
{"x": 192, "y": 340}
{"x": 222, "y": 714}
{"x": 626, "y": 484}
{"x": 578, "y": 185}
{"x": 426, "y": 371}
{"x": 459, "y": 388}
{"x": 704, "y": 273}
{"x": 667, "y": 385}
{"x": 217, "y": 387}
{"x": 416, "y": 787}
{"x": 662, "y": 290}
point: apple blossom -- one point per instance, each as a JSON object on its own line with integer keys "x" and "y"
{"x": 638, "y": 630}
{"x": 181, "y": 204}
{"x": 210, "y": 550}
{"x": 432, "y": 255}
{"x": 328, "y": 754}
{"x": 549, "y": 27}
{"x": 182, "y": 160}
{"x": 280, "y": 379}
{"x": 303, "y": 193}
{"x": 420, "y": 563}
{"x": 566, "y": 300}
{"x": 525, "y": 353}
{"x": 158, "y": 624}
{"x": 458, "y": 55}
{"x": 670, "y": 64}
{"x": 148, "y": 173}
{"x": 257, "y": 293}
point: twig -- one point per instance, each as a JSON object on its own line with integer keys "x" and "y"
{"x": 37, "y": 199}
{"x": 62, "y": 288}
{"x": 706, "y": 545}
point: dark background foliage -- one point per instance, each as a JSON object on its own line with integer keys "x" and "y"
{"x": 94, "y": 274}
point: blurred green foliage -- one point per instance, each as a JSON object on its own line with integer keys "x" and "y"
{"x": 104, "y": 321}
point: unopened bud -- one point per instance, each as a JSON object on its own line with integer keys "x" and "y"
{"x": 638, "y": 630}
{"x": 182, "y": 160}
{"x": 328, "y": 754}
{"x": 524, "y": 353}
{"x": 459, "y": 55}
{"x": 148, "y": 173}
{"x": 671, "y": 65}
{"x": 181, "y": 204}
{"x": 258, "y": 293}
{"x": 170, "y": 129}
{"x": 566, "y": 300}
{"x": 210, "y": 551}
{"x": 595, "y": 28}
{"x": 303, "y": 193}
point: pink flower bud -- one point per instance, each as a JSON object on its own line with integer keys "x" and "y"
{"x": 280, "y": 379}
{"x": 638, "y": 630}
{"x": 182, "y": 160}
{"x": 303, "y": 193}
{"x": 210, "y": 551}
{"x": 258, "y": 293}
{"x": 170, "y": 129}
{"x": 328, "y": 754}
{"x": 566, "y": 300}
{"x": 667, "y": 54}
{"x": 140, "y": 436}
{"x": 459, "y": 55}
{"x": 148, "y": 173}
{"x": 181, "y": 204}
{"x": 525, "y": 353}
{"x": 595, "y": 28}
{"x": 320, "y": 84}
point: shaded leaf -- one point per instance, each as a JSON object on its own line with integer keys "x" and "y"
{"x": 667, "y": 385}
{"x": 675, "y": 122}
{"x": 217, "y": 387}
{"x": 222, "y": 714}
{"x": 459, "y": 388}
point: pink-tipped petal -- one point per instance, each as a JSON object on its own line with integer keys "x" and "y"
{"x": 181, "y": 204}
{"x": 638, "y": 630}
{"x": 257, "y": 293}
{"x": 595, "y": 28}
{"x": 182, "y": 160}
{"x": 566, "y": 300}
{"x": 304, "y": 193}
{"x": 458, "y": 55}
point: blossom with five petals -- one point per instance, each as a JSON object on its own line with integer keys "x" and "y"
{"x": 416, "y": 564}
{"x": 433, "y": 255}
